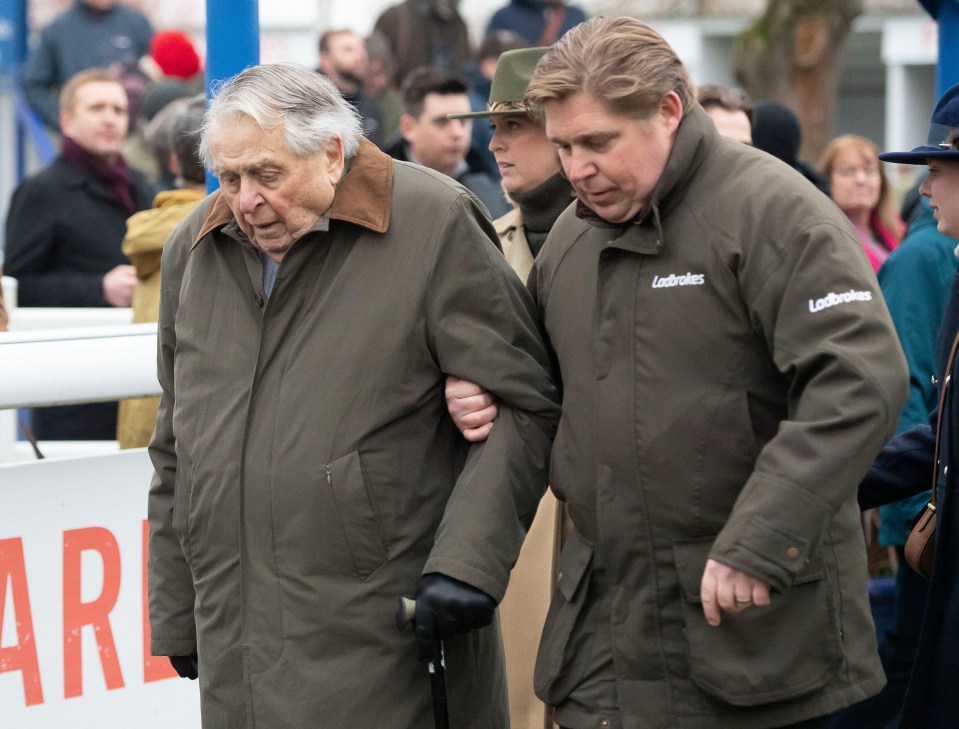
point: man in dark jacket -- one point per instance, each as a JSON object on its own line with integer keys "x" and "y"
{"x": 65, "y": 226}
{"x": 91, "y": 34}
{"x": 729, "y": 370}
{"x": 425, "y": 33}
{"x": 429, "y": 137}
{"x": 307, "y": 473}
{"x": 540, "y": 22}
{"x": 343, "y": 60}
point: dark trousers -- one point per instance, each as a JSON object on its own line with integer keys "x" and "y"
{"x": 897, "y": 649}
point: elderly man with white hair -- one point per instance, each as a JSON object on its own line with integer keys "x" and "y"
{"x": 307, "y": 473}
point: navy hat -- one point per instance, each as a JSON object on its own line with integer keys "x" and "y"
{"x": 945, "y": 121}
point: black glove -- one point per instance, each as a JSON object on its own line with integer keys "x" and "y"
{"x": 185, "y": 666}
{"x": 444, "y": 607}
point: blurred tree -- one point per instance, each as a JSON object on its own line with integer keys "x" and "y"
{"x": 793, "y": 55}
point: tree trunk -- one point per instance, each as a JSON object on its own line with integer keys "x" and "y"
{"x": 793, "y": 55}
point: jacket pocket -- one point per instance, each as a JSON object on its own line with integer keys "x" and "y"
{"x": 762, "y": 655}
{"x": 555, "y": 675}
{"x": 357, "y": 512}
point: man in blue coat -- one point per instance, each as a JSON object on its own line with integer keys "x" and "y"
{"x": 91, "y": 34}
{"x": 540, "y": 22}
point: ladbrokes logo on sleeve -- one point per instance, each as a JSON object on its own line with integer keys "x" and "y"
{"x": 834, "y": 299}
{"x": 683, "y": 279}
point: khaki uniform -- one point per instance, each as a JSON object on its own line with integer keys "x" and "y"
{"x": 523, "y": 610}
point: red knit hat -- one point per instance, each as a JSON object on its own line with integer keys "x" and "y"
{"x": 174, "y": 53}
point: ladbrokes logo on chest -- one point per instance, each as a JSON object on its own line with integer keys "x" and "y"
{"x": 683, "y": 279}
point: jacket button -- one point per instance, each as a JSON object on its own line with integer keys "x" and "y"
{"x": 604, "y": 722}
{"x": 259, "y": 300}
{"x": 559, "y": 577}
{"x": 792, "y": 553}
{"x": 934, "y": 380}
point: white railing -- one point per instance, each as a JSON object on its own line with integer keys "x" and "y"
{"x": 66, "y": 356}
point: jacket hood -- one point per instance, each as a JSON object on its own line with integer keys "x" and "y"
{"x": 363, "y": 196}
{"x": 147, "y": 230}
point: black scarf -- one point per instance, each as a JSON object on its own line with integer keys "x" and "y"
{"x": 114, "y": 176}
{"x": 541, "y": 206}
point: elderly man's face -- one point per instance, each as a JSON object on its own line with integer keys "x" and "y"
{"x": 275, "y": 196}
{"x": 941, "y": 186}
{"x": 613, "y": 161}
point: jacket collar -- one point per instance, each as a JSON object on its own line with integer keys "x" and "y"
{"x": 362, "y": 198}
{"x": 695, "y": 136}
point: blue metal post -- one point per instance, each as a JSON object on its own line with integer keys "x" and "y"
{"x": 946, "y": 14}
{"x": 947, "y": 71}
{"x": 232, "y": 43}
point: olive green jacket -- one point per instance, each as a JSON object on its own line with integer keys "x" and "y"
{"x": 729, "y": 371}
{"x": 307, "y": 471}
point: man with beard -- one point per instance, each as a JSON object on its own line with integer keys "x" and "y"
{"x": 344, "y": 61}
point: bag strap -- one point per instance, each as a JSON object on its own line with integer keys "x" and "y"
{"x": 551, "y": 29}
{"x": 947, "y": 377}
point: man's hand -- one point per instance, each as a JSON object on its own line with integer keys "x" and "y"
{"x": 471, "y": 407}
{"x": 728, "y": 589}
{"x": 118, "y": 285}
{"x": 444, "y": 607}
{"x": 185, "y": 666}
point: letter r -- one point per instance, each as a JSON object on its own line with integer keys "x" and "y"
{"x": 96, "y": 613}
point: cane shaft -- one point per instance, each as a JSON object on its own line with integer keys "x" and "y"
{"x": 437, "y": 668}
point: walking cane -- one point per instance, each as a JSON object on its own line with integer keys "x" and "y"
{"x": 405, "y": 613}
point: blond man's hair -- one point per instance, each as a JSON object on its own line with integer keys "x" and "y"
{"x": 68, "y": 94}
{"x": 620, "y": 61}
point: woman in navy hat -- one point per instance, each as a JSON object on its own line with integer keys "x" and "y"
{"x": 911, "y": 461}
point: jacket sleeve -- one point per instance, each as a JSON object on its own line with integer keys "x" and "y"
{"x": 482, "y": 327}
{"x": 902, "y": 469}
{"x": 816, "y": 302}
{"x": 39, "y": 82}
{"x": 33, "y": 238}
{"x": 170, "y": 581}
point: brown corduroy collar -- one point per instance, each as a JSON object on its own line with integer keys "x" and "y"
{"x": 362, "y": 198}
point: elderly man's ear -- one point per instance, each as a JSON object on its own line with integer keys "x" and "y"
{"x": 335, "y": 160}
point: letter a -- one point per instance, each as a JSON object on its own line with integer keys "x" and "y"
{"x": 23, "y": 655}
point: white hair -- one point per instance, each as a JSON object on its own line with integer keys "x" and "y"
{"x": 304, "y": 103}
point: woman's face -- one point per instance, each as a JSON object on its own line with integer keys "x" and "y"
{"x": 856, "y": 182}
{"x": 525, "y": 157}
{"x": 941, "y": 186}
